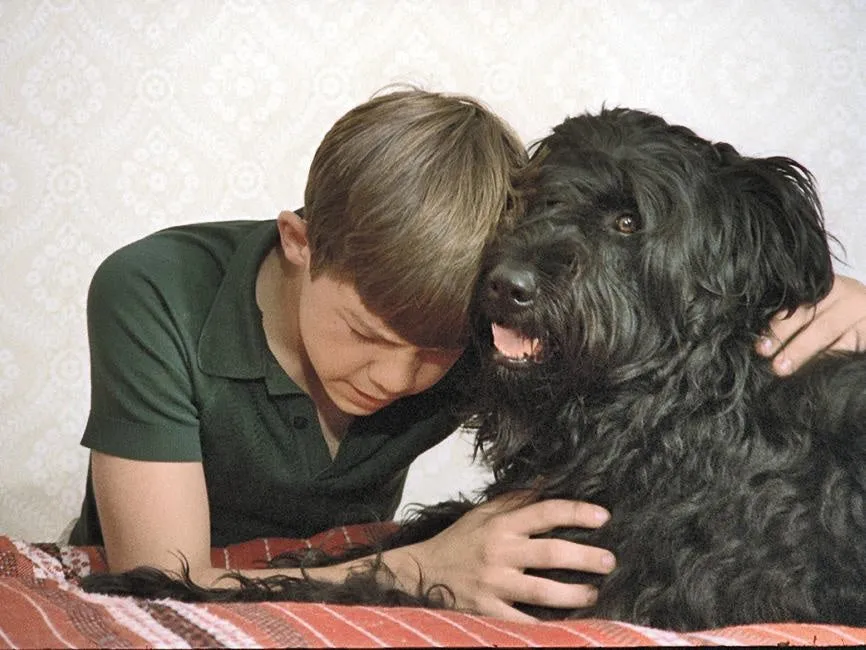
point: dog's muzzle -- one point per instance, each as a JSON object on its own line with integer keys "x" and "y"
{"x": 510, "y": 292}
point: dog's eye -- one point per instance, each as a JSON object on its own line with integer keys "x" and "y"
{"x": 627, "y": 223}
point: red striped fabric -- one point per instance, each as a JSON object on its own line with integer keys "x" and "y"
{"x": 42, "y": 606}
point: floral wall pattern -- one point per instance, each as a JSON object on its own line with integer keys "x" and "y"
{"x": 119, "y": 117}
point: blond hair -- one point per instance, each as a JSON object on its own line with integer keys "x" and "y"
{"x": 403, "y": 195}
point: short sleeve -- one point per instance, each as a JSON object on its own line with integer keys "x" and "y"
{"x": 143, "y": 404}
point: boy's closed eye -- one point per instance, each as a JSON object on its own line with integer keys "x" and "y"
{"x": 360, "y": 330}
{"x": 435, "y": 355}
{"x": 368, "y": 334}
{"x": 369, "y": 337}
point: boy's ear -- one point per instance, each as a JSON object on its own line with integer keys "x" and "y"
{"x": 293, "y": 238}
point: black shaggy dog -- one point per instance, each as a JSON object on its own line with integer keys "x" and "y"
{"x": 625, "y": 306}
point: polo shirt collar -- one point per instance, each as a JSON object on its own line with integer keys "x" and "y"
{"x": 232, "y": 342}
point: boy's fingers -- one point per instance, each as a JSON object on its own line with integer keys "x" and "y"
{"x": 837, "y": 322}
{"x": 783, "y": 328}
{"x": 767, "y": 344}
{"x": 554, "y": 553}
{"x": 535, "y": 590}
{"x": 791, "y": 340}
{"x": 546, "y": 515}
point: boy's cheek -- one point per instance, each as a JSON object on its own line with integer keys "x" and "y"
{"x": 432, "y": 373}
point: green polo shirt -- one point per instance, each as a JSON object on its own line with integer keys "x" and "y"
{"x": 181, "y": 371}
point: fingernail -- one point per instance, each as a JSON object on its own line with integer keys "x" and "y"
{"x": 766, "y": 344}
{"x": 608, "y": 561}
{"x": 601, "y": 515}
{"x": 784, "y": 365}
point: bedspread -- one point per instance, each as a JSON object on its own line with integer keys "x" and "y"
{"x": 42, "y": 606}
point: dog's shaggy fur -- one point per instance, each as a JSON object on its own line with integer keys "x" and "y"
{"x": 626, "y": 305}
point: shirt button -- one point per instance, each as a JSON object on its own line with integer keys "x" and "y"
{"x": 300, "y": 422}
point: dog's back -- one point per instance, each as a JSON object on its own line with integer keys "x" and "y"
{"x": 655, "y": 259}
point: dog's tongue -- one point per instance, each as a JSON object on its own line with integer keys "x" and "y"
{"x": 513, "y": 344}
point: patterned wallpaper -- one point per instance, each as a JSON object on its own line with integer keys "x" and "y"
{"x": 118, "y": 117}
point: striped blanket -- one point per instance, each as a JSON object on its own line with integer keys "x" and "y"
{"x": 41, "y": 606}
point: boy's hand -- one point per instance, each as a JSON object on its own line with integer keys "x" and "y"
{"x": 838, "y": 322}
{"x": 482, "y": 557}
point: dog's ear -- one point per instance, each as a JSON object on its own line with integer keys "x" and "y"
{"x": 772, "y": 223}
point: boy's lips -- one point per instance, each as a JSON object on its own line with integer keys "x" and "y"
{"x": 370, "y": 401}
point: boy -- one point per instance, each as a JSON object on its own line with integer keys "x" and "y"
{"x": 255, "y": 379}
{"x": 258, "y": 379}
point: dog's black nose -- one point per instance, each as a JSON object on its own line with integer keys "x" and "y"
{"x": 511, "y": 286}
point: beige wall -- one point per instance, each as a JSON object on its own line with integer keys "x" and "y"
{"x": 118, "y": 117}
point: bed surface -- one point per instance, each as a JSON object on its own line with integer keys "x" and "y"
{"x": 42, "y": 606}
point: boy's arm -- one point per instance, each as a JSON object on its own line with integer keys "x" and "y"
{"x": 838, "y": 322}
{"x": 152, "y": 513}
{"x": 156, "y": 513}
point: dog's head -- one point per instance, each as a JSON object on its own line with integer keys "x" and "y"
{"x": 646, "y": 245}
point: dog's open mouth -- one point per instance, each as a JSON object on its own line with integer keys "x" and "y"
{"x": 514, "y": 347}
